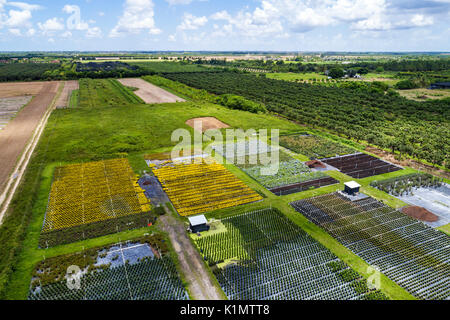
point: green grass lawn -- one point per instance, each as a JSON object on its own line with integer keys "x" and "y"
{"x": 445, "y": 229}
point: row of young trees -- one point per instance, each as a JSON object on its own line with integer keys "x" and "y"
{"x": 419, "y": 129}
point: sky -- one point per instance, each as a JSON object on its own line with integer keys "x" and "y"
{"x": 225, "y": 25}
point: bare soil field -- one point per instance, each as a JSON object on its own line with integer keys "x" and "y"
{"x": 63, "y": 100}
{"x": 15, "y": 137}
{"x": 9, "y": 108}
{"x": 420, "y": 213}
{"x": 208, "y": 123}
{"x": 16, "y": 89}
{"x": 149, "y": 92}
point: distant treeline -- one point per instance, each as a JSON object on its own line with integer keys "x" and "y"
{"x": 92, "y": 70}
{"x": 25, "y": 71}
{"x": 281, "y": 66}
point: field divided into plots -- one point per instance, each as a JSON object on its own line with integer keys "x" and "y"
{"x": 124, "y": 271}
{"x": 284, "y": 175}
{"x": 93, "y": 194}
{"x": 409, "y": 252}
{"x": 361, "y": 165}
{"x": 195, "y": 188}
{"x": 263, "y": 255}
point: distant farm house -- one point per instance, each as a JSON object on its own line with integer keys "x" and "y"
{"x": 440, "y": 85}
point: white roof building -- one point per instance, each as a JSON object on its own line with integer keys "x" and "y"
{"x": 197, "y": 220}
{"x": 352, "y": 185}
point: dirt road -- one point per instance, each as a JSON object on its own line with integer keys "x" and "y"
{"x": 149, "y": 92}
{"x": 17, "y": 134}
{"x": 200, "y": 284}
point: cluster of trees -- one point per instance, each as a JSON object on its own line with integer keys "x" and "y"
{"x": 359, "y": 67}
{"x": 240, "y": 103}
{"x": 417, "y": 129}
{"x": 25, "y": 71}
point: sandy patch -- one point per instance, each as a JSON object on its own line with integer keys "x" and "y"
{"x": 63, "y": 100}
{"x": 208, "y": 123}
{"x": 149, "y": 92}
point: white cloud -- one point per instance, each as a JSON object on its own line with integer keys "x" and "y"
{"x": 31, "y": 32}
{"x": 18, "y": 18}
{"x": 420, "y": 20}
{"x": 191, "y": 22}
{"x": 138, "y": 16}
{"x": 24, "y": 6}
{"x": 66, "y": 34}
{"x": 175, "y": 2}
{"x": 51, "y": 25}
{"x": 94, "y": 32}
{"x": 221, "y": 15}
{"x": 275, "y": 17}
{"x": 15, "y": 31}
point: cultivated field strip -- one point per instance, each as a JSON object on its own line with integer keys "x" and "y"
{"x": 314, "y": 147}
{"x": 197, "y": 188}
{"x": 146, "y": 277}
{"x": 409, "y": 252}
{"x": 69, "y": 87}
{"x": 91, "y": 192}
{"x": 265, "y": 256}
{"x": 361, "y": 165}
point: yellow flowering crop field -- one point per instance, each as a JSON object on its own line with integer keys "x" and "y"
{"x": 196, "y": 188}
{"x": 93, "y": 192}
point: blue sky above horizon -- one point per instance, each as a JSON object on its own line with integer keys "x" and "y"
{"x": 272, "y": 25}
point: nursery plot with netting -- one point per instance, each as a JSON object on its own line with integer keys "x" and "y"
{"x": 409, "y": 252}
{"x": 314, "y": 147}
{"x": 291, "y": 175}
{"x": 90, "y": 196}
{"x": 200, "y": 186}
{"x": 125, "y": 271}
{"x": 421, "y": 190}
{"x": 361, "y": 165}
{"x": 263, "y": 255}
